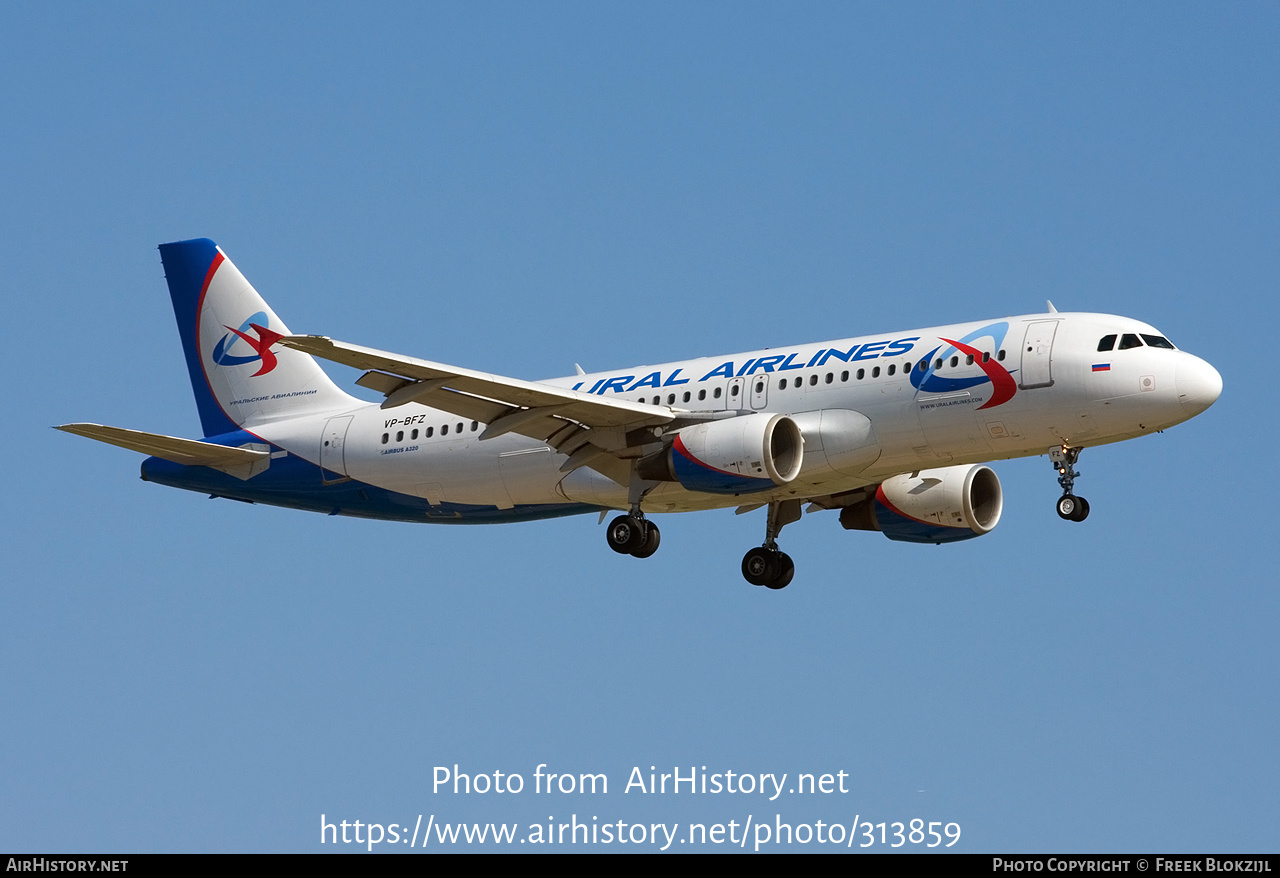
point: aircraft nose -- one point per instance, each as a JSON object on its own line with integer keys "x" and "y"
{"x": 1198, "y": 383}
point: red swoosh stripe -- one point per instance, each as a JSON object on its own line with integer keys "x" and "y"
{"x": 1003, "y": 387}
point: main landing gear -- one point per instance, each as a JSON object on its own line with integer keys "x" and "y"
{"x": 1070, "y": 507}
{"x": 768, "y": 565}
{"x": 634, "y": 535}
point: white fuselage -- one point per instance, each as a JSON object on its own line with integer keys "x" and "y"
{"x": 1044, "y": 383}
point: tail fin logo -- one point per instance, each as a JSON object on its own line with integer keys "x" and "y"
{"x": 261, "y": 345}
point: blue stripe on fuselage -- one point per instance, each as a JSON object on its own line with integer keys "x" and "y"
{"x": 295, "y": 483}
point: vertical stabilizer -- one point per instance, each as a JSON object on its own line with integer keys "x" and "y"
{"x": 227, "y": 332}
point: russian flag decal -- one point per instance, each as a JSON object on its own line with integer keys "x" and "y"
{"x": 1102, "y": 367}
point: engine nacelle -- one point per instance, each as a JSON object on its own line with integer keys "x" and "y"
{"x": 735, "y": 456}
{"x": 933, "y": 506}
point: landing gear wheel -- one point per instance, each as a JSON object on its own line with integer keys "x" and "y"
{"x": 760, "y": 566}
{"x": 1073, "y": 508}
{"x": 626, "y": 535}
{"x": 651, "y": 541}
{"x": 768, "y": 567}
{"x": 786, "y": 570}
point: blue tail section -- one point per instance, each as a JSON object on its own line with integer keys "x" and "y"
{"x": 187, "y": 269}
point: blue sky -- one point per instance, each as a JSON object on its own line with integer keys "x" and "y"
{"x": 519, "y": 187}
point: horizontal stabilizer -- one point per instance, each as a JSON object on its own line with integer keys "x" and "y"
{"x": 188, "y": 452}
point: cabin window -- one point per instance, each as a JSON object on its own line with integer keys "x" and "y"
{"x": 430, "y": 431}
{"x": 875, "y": 373}
{"x": 444, "y": 430}
{"x": 862, "y": 373}
{"x": 385, "y": 437}
{"x": 687, "y": 396}
{"x": 892, "y": 367}
{"x": 716, "y": 393}
{"x": 474, "y": 424}
{"x": 414, "y": 435}
{"x": 955, "y": 361}
{"x": 702, "y": 394}
{"x": 1000, "y": 356}
{"x": 844, "y": 376}
{"x": 813, "y": 379}
{"x": 782, "y": 385}
{"x": 671, "y": 399}
{"x": 830, "y": 377}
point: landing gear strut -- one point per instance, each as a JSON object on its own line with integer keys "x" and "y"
{"x": 1070, "y": 507}
{"x": 767, "y": 565}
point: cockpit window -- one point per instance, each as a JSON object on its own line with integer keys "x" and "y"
{"x": 1158, "y": 341}
{"x": 1129, "y": 340}
{"x": 1107, "y": 343}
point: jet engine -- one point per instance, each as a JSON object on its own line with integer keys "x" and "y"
{"x": 931, "y": 506}
{"x": 734, "y": 456}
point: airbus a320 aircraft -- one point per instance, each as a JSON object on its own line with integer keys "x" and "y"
{"x": 889, "y": 429}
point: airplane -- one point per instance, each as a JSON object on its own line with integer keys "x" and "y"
{"x": 893, "y": 430}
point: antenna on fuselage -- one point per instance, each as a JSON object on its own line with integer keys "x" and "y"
{"x": 1052, "y": 310}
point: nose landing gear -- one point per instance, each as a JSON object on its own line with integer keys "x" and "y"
{"x": 1070, "y": 507}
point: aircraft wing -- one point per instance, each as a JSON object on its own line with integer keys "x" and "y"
{"x": 581, "y": 425}
{"x": 189, "y": 452}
